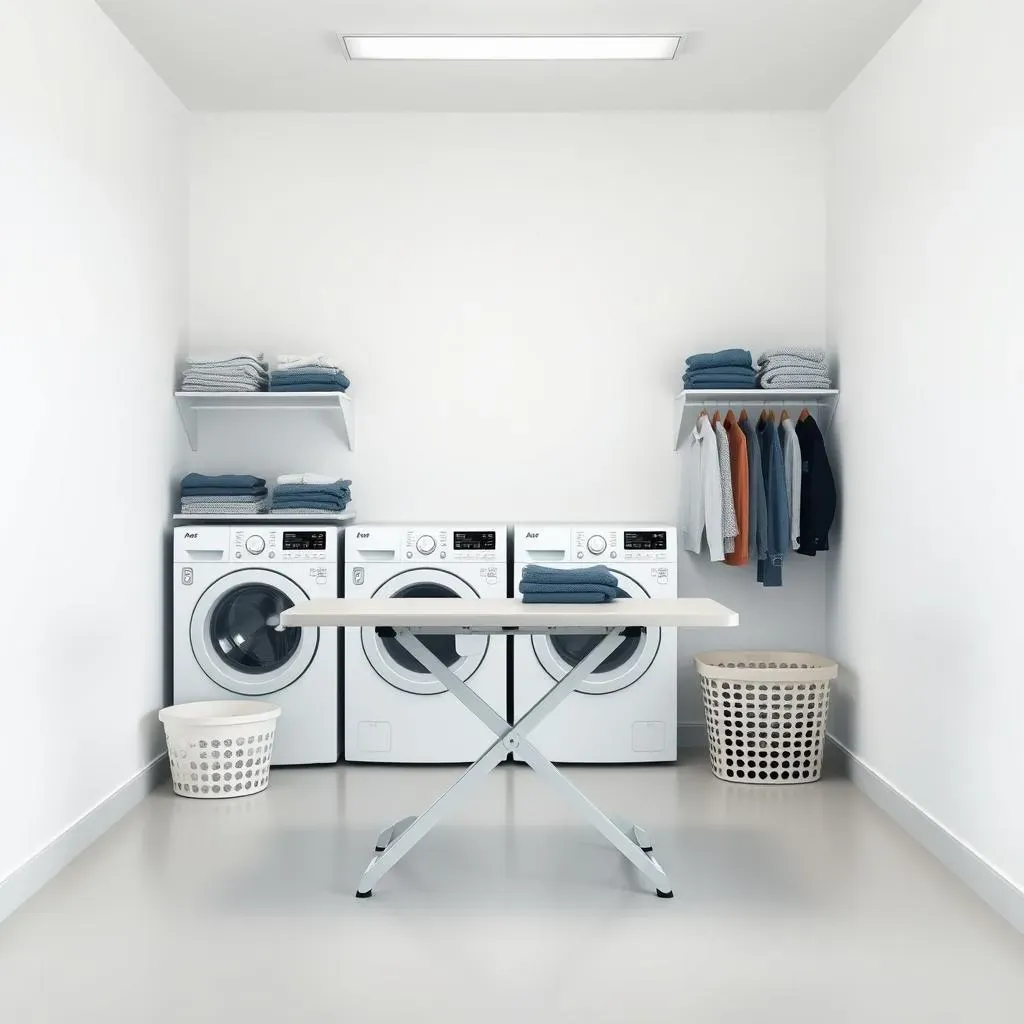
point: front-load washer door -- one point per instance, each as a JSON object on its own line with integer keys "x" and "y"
{"x": 237, "y": 636}
{"x": 394, "y": 664}
{"x": 558, "y": 653}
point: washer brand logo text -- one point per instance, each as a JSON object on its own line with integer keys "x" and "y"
{"x": 362, "y": 536}
{"x": 191, "y": 536}
{"x": 532, "y": 536}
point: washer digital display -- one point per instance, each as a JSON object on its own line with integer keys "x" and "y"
{"x": 307, "y": 540}
{"x": 474, "y": 540}
{"x": 645, "y": 540}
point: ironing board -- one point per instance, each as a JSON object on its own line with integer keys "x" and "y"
{"x": 404, "y": 619}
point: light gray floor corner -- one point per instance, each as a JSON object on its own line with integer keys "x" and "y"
{"x": 17, "y": 888}
{"x": 690, "y": 735}
{"x": 979, "y": 876}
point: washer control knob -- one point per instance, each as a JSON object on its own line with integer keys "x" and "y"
{"x": 255, "y": 544}
{"x": 596, "y": 544}
{"x": 426, "y": 544}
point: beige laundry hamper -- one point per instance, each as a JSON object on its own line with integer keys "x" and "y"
{"x": 766, "y": 713}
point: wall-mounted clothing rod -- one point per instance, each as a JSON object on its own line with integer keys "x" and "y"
{"x": 689, "y": 403}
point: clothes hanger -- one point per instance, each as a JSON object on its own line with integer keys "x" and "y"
{"x": 743, "y": 416}
{"x": 783, "y": 416}
{"x": 804, "y": 413}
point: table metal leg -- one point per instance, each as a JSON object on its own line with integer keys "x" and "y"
{"x": 396, "y": 841}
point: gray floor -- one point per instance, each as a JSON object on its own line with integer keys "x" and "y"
{"x": 792, "y": 904}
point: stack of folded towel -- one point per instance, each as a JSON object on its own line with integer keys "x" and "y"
{"x": 223, "y": 495}
{"x": 307, "y": 373}
{"x": 793, "y": 368}
{"x": 732, "y": 368}
{"x": 238, "y": 371}
{"x": 310, "y": 494}
{"x": 593, "y": 585}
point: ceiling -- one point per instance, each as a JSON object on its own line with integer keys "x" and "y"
{"x": 285, "y": 54}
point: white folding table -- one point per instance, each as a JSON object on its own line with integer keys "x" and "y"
{"x": 404, "y": 619}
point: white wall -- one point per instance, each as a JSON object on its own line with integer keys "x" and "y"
{"x": 513, "y": 297}
{"x": 93, "y": 198}
{"x": 926, "y": 236}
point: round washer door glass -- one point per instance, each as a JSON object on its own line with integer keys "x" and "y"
{"x": 237, "y": 636}
{"x": 395, "y": 665}
{"x": 558, "y": 653}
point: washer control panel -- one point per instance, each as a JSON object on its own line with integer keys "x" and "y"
{"x": 549, "y": 545}
{"x": 436, "y": 544}
{"x": 283, "y": 544}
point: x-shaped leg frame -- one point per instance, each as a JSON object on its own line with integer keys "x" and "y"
{"x": 398, "y": 839}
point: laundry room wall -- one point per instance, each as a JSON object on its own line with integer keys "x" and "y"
{"x": 513, "y": 297}
{"x": 926, "y": 221}
{"x": 93, "y": 290}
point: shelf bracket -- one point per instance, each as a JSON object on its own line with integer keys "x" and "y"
{"x": 189, "y": 415}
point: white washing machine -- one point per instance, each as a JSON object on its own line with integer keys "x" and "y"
{"x": 625, "y": 710}
{"x": 395, "y": 710}
{"x": 231, "y": 584}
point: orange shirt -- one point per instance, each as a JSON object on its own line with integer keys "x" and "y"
{"x": 740, "y": 489}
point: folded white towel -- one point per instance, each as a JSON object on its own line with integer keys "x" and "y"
{"x": 307, "y": 478}
{"x": 293, "y": 362}
{"x": 814, "y": 355}
{"x": 198, "y": 359}
{"x": 810, "y": 381}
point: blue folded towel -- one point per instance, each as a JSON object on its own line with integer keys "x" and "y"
{"x": 726, "y": 372}
{"x": 727, "y": 357}
{"x": 716, "y": 381}
{"x": 340, "y": 388}
{"x": 312, "y": 493}
{"x": 306, "y": 376}
{"x": 593, "y": 584}
{"x": 591, "y": 574}
{"x": 223, "y": 492}
{"x": 608, "y": 593}
{"x": 325, "y": 505}
{"x": 318, "y": 372}
{"x": 229, "y": 480}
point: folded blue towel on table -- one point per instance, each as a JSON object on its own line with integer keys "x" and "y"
{"x": 230, "y": 480}
{"x": 727, "y": 357}
{"x": 591, "y": 574}
{"x": 607, "y": 593}
{"x": 591, "y": 585}
{"x": 564, "y": 599}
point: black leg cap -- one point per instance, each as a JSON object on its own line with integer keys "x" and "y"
{"x": 366, "y": 895}
{"x": 379, "y": 849}
{"x": 647, "y": 849}
{"x": 663, "y": 895}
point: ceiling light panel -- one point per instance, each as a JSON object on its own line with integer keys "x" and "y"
{"x": 512, "y": 47}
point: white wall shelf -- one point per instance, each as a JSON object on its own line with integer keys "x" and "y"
{"x": 191, "y": 403}
{"x": 688, "y": 403}
{"x": 268, "y": 517}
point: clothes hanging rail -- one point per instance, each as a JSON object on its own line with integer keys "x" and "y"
{"x": 689, "y": 403}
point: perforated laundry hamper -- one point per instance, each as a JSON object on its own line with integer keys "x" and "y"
{"x": 766, "y": 713}
{"x": 220, "y": 748}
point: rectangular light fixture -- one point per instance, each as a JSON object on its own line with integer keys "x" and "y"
{"x": 512, "y": 47}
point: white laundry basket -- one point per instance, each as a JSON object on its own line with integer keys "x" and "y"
{"x": 766, "y": 714}
{"x": 220, "y": 748}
